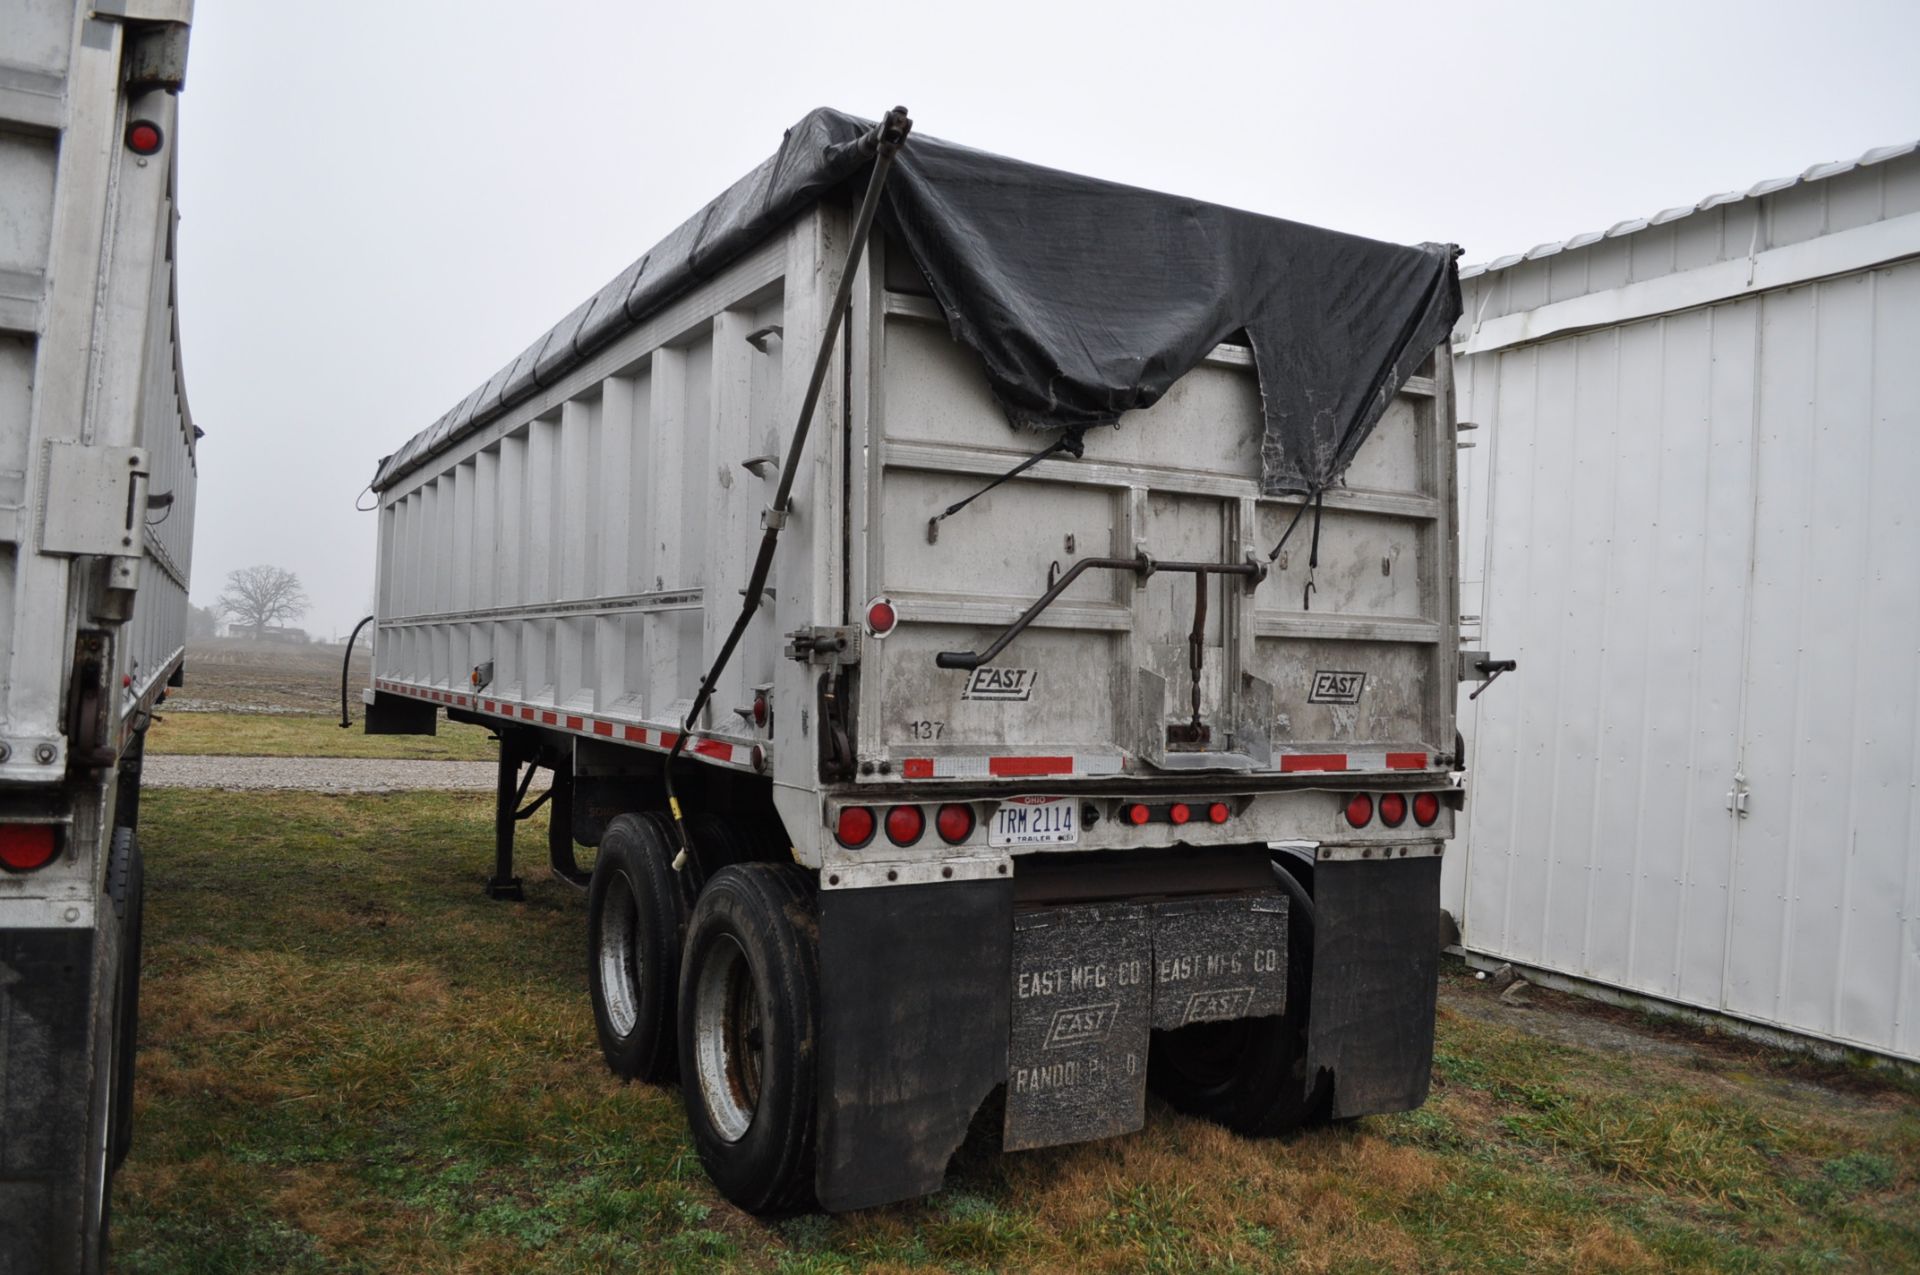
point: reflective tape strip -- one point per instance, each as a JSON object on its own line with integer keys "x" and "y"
{"x": 718, "y": 750}
{"x": 1010, "y": 766}
{"x": 1293, "y": 762}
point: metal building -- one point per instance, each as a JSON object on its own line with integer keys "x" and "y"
{"x": 1692, "y": 512}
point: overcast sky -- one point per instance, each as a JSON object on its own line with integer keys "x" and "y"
{"x": 383, "y": 201}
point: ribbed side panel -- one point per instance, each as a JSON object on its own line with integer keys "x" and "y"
{"x": 1700, "y": 546}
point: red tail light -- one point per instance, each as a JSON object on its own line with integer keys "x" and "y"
{"x": 855, "y": 828}
{"x": 955, "y": 824}
{"x": 1426, "y": 809}
{"x": 26, "y": 846}
{"x": 1218, "y": 812}
{"x": 760, "y": 708}
{"x": 1178, "y": 812}
{"x": 881, "y": 617}
{"x": 144, "y": 137}
{"x": 1359, "y": 810}
{"x": 1393, "y": 810}
{"x": 1137, "y": 814}
{"x": 905, "y": 824}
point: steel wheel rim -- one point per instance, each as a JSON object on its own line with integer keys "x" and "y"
{"x": 620, "y": 955}
{"x": 728, "y": 1038}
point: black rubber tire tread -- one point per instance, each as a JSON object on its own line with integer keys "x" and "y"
{"x": 771, "y": 911}
{"x": 639, "y": 847}
{"x": 719, "y": 842}
{"x": 127, "y": 888}
{"x": 1263, "y": 1089}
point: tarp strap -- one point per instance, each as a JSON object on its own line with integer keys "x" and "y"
{"x": 1071, "y": 441}
{"x": 1313, "y": 555}
{"x": 1294, "y": 522}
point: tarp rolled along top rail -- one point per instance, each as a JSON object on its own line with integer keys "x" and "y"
{"x": 1085, "y": 299}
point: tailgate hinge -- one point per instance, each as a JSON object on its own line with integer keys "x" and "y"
{"x": 832, "y": 645}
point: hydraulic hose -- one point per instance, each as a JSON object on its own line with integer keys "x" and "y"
{"x": 885, "y": 141}
{"x": 346, "y": 660}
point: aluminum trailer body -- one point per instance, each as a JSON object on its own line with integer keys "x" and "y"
{"x": 1027, "y": 873}
{"x": 97, "y": 476}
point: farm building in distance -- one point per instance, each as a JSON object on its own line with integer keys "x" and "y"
{"x": 1690, "y": 513}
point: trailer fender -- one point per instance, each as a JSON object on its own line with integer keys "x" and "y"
{"x": 914, "y": 1020}
{"x": 1376, "y": 971}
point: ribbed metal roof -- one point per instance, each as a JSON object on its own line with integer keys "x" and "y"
{"x": 1819, "y": 172}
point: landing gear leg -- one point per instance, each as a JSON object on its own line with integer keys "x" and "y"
{"x": 508, "y": 791}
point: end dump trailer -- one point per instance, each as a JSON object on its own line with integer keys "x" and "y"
{"x": 999, "y": 630}
{"x": 97, "y": 476}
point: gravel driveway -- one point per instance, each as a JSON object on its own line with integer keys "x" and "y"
{"x": 318, "y": 774}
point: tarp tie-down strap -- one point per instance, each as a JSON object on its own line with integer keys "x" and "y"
{"x": 1313, "y": 554}
{"x": 884, "y": 143}
{"x": 1072, "y": 441}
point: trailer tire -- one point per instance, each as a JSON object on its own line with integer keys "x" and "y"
{"x": 749, "y": 997}
{"x": 636, "y": 915}
{"x": 1249, "y": 1074}
{"x": 126, "y": 887}
{"x": 718, "y": 842}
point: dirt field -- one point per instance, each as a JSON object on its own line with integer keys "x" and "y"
{"x": 240, "y": 675}
{"x": 274, "y": 699}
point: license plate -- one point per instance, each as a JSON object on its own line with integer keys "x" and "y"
{"x": 1035, "y": 821}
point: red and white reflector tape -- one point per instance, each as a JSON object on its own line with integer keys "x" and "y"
{"x": 719, "y": 750}
{"x": 1010, "y": 766}
{"x": 1293, "y": 763}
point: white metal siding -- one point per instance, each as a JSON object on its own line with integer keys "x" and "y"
{"x": 1699, "y": 542}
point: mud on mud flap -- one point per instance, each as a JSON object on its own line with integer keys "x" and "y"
{"x": 1376, "y": 961}
{"x": 1089, "y": 984}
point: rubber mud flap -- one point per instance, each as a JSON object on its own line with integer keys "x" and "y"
{"x": 46, "y": 995}
{"x": 1376, "y": 972}
{"x": 1218, "y": 959}
{"x": 1082, "y": 998}
{"x": 913, "y": 1009}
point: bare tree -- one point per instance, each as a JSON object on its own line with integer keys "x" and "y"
{"x": 258, "y": 597}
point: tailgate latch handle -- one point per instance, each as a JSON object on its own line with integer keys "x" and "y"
{"x": 1142, "y": 566}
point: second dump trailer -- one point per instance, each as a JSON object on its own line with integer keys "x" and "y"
{"x": 98, "y": 473}
{"x": 998, "y": 629}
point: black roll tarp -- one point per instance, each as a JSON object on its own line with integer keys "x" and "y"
{"x": 1085, "y": 299}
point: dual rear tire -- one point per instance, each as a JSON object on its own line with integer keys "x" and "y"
{"x": 722, "y": 993}
{"x": 719, "y": 984}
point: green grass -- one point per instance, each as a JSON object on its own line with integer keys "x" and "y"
{"x": 309, "y": 735}
{"x": 352, "y": 1061}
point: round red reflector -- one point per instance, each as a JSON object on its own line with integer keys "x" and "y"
{"x": 1178, "y": 812}
{"x": 855, "y": 828}
{"x": 955, "y": 823}
{"x": 143, "y": 137}
{"x": 905, "y": 824}
{"x": 1136, "y": 814}
{"x": 1393, "y": 810}
{"x": 760, "y": 709}
{"x": 1359, "y": 809}
{"x": 26, "y": 846}
{"x": 1426, "y": 809}
{"x": 1218, "y": 812}
{"x": 881, "y": 617}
